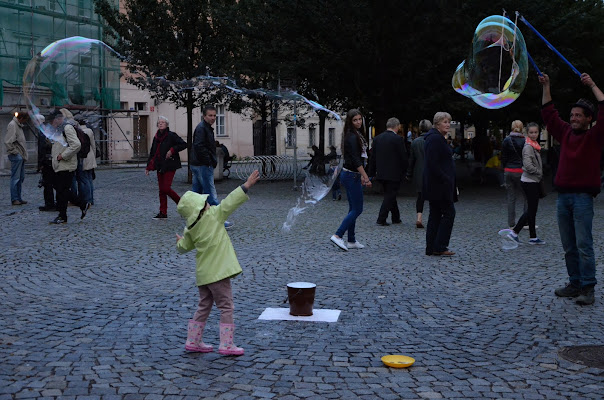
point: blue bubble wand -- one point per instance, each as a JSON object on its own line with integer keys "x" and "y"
{"x": 548, "y": 45}
{"x": 534, "y": 64}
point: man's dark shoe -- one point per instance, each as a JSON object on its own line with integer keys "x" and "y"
{"x": 587, "y": 296}
{"x": 160, "y": 216}
{"x": 84, "y": 209}
{"x": 570, "y": 290}
{"x": 382, "y": 223}
{"x": 47, "y": 208}
{"x": 58, "y": 221}
{"x": 446, "y": 253}
{"x": 397, "y": 222}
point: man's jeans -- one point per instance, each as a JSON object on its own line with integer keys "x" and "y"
{"x": 575, "y": 216}
{"x": 85, "y": 186}
{"x": 203, "y": 182}
{"x": 17, "y": 176}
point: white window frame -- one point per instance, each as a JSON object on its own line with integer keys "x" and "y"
{"x": 332, "y": 136}
{"x": 220, "y": 121}
{"x": 312, "y": 134}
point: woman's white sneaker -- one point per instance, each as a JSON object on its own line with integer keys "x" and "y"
{"x": 355, "y": 245}
{"x": 339, "y": 242}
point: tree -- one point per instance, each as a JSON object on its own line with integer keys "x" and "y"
{"x": 167, "y": 44}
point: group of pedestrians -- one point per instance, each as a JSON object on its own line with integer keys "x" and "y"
{"x": 431, "y": 168}
{"x": 165, "y": 160}
{"x": 58, "y": 161}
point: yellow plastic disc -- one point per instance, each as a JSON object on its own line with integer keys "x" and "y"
{"x": 398, "y": 361}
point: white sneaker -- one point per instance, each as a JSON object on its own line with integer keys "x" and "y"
{"x": 339, "y": 242}
{"x": 355, "y": 245}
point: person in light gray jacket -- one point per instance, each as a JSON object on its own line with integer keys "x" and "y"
{"x": 17, "y": 154}
{"x": 532, "y": 174}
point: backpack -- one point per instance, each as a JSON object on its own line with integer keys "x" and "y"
{"x": 84, "y": 141}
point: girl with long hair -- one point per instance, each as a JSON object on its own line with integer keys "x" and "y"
{"x": 353, "y": 177}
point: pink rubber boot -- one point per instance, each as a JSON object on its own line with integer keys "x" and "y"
{"x": 227, "y": 347}
{"x": 194, "y": 335}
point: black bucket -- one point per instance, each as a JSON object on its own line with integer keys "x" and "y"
{"x": 301, "y": 296}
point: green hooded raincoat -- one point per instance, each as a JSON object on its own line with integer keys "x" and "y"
{"x": 216, "y": 259}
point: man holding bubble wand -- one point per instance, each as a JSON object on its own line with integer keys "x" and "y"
{"x": 577, "y": 178}
{"x": 578, "y": 182}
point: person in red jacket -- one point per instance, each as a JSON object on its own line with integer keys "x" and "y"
{"x": 578, "y": 182}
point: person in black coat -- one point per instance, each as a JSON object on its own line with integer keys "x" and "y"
{"x": 388, "y": 163}
{"x": 439, "y": 186}
{"x": 164, "y": 158}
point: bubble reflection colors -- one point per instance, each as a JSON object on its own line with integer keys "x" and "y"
{"x": 74, "y": 73}
{"x": 314, "y": 188}
{"x": 495, "y": 73}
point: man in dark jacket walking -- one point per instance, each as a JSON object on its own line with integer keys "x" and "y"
{"x": 202, "y": 160}
{"x": 203, "y": 156}
{"x": 389, "y": 163}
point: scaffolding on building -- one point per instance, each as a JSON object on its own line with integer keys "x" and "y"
{"x": 26, "y": 28}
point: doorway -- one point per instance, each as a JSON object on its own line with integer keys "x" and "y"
{"x": 140, "y": 126}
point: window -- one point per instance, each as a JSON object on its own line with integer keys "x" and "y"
{"x": 123, "y": 105}
{"x": 289, "y": 140}
{"x": 220, "y": 128}
{"x": 311, "y": 136}
{"x": 332, "y": 136}
{"x": 140, "y": 106}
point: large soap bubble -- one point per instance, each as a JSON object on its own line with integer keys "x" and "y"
{"x": 496, "y": 70}
{"x": 316, "y": 186}
{"x": 75, "y": 73}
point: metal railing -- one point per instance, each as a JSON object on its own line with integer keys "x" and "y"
{"x": 271, "y": 168}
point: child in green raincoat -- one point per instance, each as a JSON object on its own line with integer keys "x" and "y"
{"x": 216, "y": 262}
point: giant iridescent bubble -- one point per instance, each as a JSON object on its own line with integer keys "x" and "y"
{"x": 496, "y": 70}
{"x": 75, "y": 73}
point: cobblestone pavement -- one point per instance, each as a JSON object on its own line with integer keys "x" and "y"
{"x": 97, "y": 308}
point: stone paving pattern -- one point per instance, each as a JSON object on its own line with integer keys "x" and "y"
{"x": 97, "y": 308}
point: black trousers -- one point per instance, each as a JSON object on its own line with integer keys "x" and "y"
{"x": 531, "y": 190}
{"x": 63, "y": 181}
{"x": 389, "y": 204}
{"x": 48, "y": 177}
{"x": 440, "y": 226}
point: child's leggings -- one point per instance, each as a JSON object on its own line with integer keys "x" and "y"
{"x": 220, "y": 293}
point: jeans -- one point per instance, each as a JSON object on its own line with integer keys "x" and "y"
{"x": 203, "y": 182}
{"x": 513, "y": 186}
{"x": 575, "y": 213}
{"x": 440, "y": 225}
{"x": 17, "y": 176}
{"x": 354, "y": 192}
{"x": 85, "y": 186}
{"x": 75, "y": 187}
